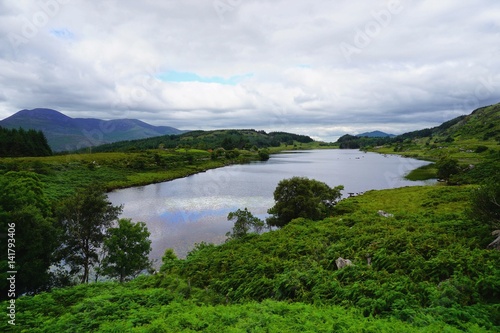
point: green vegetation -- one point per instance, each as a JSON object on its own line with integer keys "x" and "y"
{"x": 226, "y": 139}
{"x": 126, "y": 249}
{"x": 465, "y": 137}
{"x": 125, "y": 166}
{"x": 85, "y": 218}
{"x": 423, "y": 258}
{"x": 426, "y": 269}
{"x": 20, "y": 142}
{"x": 244, "y": 222}
{"x": 26, "y": 217}
{"x": 302, "y": 197}
{"x": 468, "y": 144}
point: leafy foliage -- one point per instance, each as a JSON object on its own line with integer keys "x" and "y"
{"x": 302, "y": 197}
{"x": 127, "y": 247}
{"x": 245, "y": 222}
{"x": 426, "y": 269}
{"x": 25, "y": 210}
{"x": 84, "y": 218}
{"x": 226, "y": 139}
{"x": 446, "y": 168}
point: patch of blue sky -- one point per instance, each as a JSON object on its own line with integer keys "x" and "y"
{"x": 175, "y": 76}
{"x": 62, "y": 33}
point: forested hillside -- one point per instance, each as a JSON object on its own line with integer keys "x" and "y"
{"x": 226, "y": 139}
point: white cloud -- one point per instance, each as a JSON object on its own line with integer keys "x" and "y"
{"x": 320, "y": 68}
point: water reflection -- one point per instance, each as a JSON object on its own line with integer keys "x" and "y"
{"x": 190, "y": 210}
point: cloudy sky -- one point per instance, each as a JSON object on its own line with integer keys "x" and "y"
{"x": 322, "y": 68}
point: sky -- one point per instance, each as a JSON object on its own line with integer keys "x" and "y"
{"x": 322, "y": 68}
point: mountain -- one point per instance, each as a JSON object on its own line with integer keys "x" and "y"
{"x": 376, "y": 134}
{"x": 65, "y": 133}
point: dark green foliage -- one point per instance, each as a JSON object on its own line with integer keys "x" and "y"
{"x": 20, "y": 142}
{"x": 446, "y": 168}
{"x": 480, "y": 149}
{"x": 244, "y": 223}
{"x": 485, "y": 208}
{"x": 84, "y": 217}
{"x": 485, "y": 205}
{"x": 355, "y": 142}
{"x": 126, "y": 249}
{"x": 226, "y": 139}
{"x": 263, "y": 154}
{"x": 25, "y": 210}
{"x": 302, "y": 197}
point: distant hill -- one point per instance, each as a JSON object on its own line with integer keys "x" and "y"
{"x": 65, "y": 133}
{"x": 376, "y": 134}
{"x": 227, "y": 139}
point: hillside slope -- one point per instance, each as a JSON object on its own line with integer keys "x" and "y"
{"x": 65, "y": 133}
{"x": 227, "y": 139}
{"x": 482, "y": 124}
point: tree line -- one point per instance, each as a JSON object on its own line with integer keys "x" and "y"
{"x": 21, "y": 142}
{"x": 68, "y": 242}
{"x": 226, "y": 139}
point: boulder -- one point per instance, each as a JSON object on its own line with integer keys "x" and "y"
{"x": 384, "y": 214}
{"x": 341, "y": 262}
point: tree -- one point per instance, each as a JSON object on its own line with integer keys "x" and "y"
{"x": 302, "y": 197}
{"x": 245, "y": 222}
{"x": 485, "y": 207}
{"x": 126, "y": 250}
{"x": 84, "y": 217}
{"x": 447, "y": 167}
{"x": 168, "y": 260}
{"x": 27, "y": 222}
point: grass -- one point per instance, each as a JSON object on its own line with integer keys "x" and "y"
{"x": 63, "y": 174}
{"x": 423, "y": 173}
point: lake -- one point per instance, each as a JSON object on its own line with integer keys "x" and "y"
{"x": 185, "y": 211}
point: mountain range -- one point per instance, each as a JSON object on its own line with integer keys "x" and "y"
{"x": 64, "y": 133}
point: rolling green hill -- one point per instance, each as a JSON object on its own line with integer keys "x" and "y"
{"x": 227, "y": 139}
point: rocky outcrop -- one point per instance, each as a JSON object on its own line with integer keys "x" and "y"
{"x": 341, "y": 262}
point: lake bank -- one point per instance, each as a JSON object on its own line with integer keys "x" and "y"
{"x": 194, "y": 209}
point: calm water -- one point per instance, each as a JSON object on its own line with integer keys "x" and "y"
{"x": 190, "y": 210}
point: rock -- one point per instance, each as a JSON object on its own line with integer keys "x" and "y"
{"x": 341, "y": 262}
{"x": 384, "y": 214}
